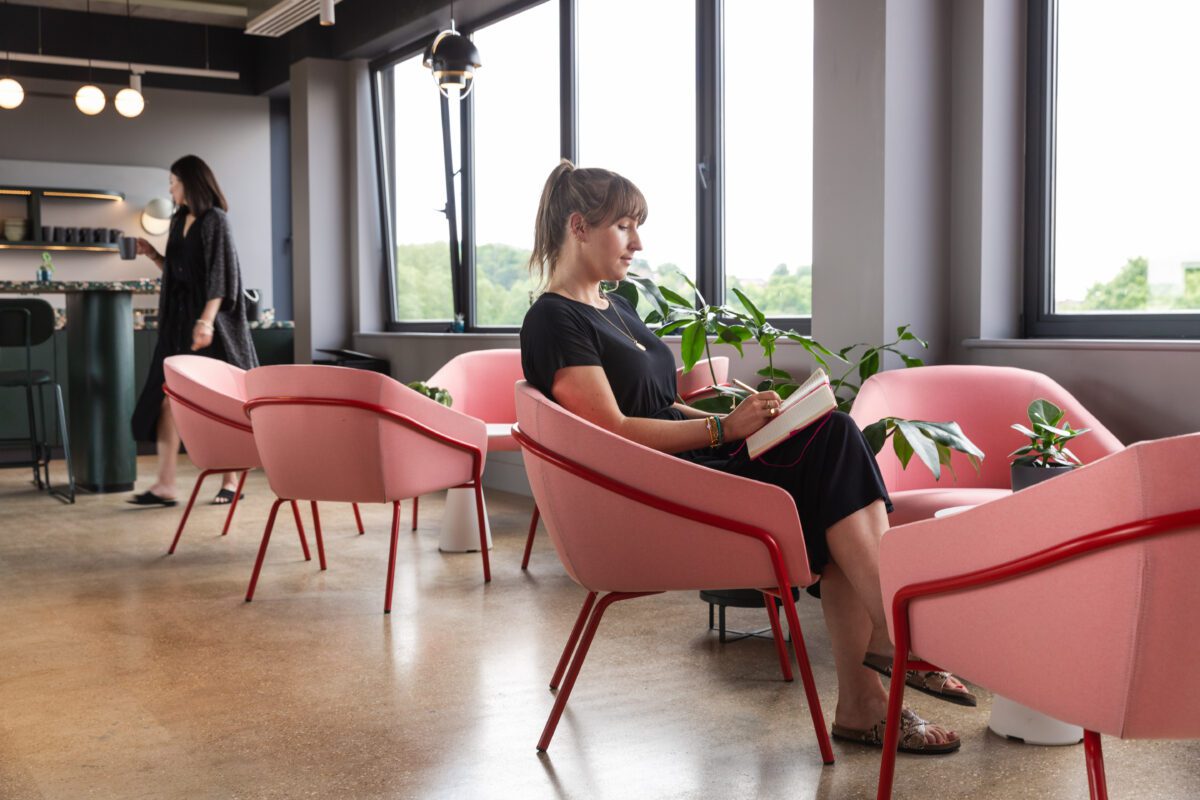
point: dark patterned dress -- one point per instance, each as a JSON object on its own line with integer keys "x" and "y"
{"x": 199, "y": 266}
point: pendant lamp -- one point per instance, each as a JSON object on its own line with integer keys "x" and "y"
{"x": 453, "y": 59}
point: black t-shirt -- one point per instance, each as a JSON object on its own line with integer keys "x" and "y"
{"x": 559, "y": 332}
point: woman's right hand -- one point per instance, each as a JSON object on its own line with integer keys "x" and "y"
{"x": 144, "y": 248}
{"x": 751, "y": 414}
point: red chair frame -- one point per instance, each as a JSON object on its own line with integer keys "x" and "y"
{"x": 243, "y": 427}
{"x": 391, "y": 415}
{"x": 1074, "y": 548}
{"x": 577, "y": 648}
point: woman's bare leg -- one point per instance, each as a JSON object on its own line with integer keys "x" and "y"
{"x": 229, "y": 480}
{"x": 167, "y": 447}
{"x": 852, "y": 602}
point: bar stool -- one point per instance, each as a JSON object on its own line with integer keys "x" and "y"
{"x": 25, "y": 322}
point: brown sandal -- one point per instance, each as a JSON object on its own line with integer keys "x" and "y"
{"x": 934, "y": 684}
{"x": 912, "y": 736}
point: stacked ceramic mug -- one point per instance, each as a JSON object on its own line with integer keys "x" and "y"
{"x": 14, "y": 229}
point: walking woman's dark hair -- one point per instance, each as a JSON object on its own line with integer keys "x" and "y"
{"x": 200, "y": 189}
{"x": 601, "y": 196}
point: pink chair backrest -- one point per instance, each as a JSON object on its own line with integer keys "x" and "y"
{"x": 481, "y": 383}
{"x": 219, "y": 389}
{"x": 342, "y": 453}
{"x": 701, "y": 376}
{"x": 984, "y": 401}
{"x": 608, "y": 542}
{"x": 1108, "y": 640}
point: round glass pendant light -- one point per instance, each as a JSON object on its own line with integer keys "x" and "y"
{"x": 129, "y": 101}
{"x": 90, "y": 100}
{"x": 11, "y": 93}
{"x": 156, "y": 219}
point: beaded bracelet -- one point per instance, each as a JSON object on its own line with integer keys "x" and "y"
{"x": 720, "y": 431}
{"x": 205, "y": 323}
{"x": 713, "y": 431}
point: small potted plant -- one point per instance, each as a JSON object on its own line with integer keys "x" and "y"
{"x": 432, "y": 392}
{"x": 45, "y": 272}
{"x": 1046, "y": 455}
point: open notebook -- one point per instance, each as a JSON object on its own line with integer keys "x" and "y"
{"x": 811, "y": 401}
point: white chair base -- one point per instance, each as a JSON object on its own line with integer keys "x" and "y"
{"x": 460, "y": 524}
{"x": 1014, "y": 720}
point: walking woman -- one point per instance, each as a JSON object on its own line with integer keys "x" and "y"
{"x": 201, "y": 310}
{"x": 591, "y": 353}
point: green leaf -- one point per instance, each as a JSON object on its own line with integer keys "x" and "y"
{"x": 1041, "y": 410}
{"x": 876, "y": 434}
{"x": 650, "y": 289}
{"x": 768, "y": 372}
{"x": 671, "y": 327}
{"x": 903, "y": 449}
{"x": 757, "y": 315}
{"x": 869, "y": 365}
{"x": 950, "y": 435}
{"x": 1016, "y": 426}
{"x": 652, "y": 318}
{"x": 910, "y": 361}
{"x": 673, "y": 298}
{"x": 629, "y": 291}
{"x": 922, "y": 446}
{"x": 721, "y": 404}
{"x": 1025, "y": 461}
{"x": 692, "y": 348}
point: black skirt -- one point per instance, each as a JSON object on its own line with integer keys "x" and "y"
{"x": 144, "y": 422}
{"x": 828, "y": 468}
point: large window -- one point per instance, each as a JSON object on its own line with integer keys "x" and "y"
{"x": 516, "y": 146}
{"x": 416, "y": 193}
{"x": 1112, "y": 202}
{"x": 768, "y": 156}
{"x": 669, "y": 93}
{"x": 637, "y": 116}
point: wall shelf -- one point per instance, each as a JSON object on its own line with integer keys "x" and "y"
{"x": 35, "y": 195}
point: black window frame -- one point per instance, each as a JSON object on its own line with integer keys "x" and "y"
{"x": 710, "y": 160}
{"x": 1040, "y": 320}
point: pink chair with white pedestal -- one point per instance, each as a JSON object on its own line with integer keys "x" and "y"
{"x": 984, "y": 401}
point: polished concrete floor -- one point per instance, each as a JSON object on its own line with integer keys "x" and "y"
{"x": 126, "y": 673}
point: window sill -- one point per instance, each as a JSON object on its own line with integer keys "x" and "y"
{"x": 1182, "y": 345}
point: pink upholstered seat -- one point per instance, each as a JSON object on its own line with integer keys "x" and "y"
{"x": 665, "y": 524}
{"x": 206, "y": 397}
{"x": 330, "y": 433}
{"x": 984, "y": 401}
{"x": 700, "y": 378}
{"x": 480, "y": 384}
{"x": 1107, "y": 639}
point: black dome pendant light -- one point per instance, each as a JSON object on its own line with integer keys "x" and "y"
{"x": 453, "y": 59}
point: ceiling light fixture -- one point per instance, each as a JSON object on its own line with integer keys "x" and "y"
{"x": 89, "y": 99}
{"x": 130, "y": 102}
{"x": 453, "y": 58}
{"x": 12, "y": 94}
{"x": 327, "y": 17}
{"x": 156, "y": 219}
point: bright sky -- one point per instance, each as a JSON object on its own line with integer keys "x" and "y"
{"x": 637, "y": 117}
{"x": 1128, "y": 162}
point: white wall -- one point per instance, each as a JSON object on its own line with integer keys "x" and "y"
{"x": 230, "y": 132}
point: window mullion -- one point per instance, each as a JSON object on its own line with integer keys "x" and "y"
{"x": 710, "y": 155}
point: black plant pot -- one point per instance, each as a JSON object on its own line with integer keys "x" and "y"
{"x": 1025, "y": 475}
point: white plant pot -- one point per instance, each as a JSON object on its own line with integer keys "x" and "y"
{"x": 460, "y": 523}
{"x": 1016, "y": 721}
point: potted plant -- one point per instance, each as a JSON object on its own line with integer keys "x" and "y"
{"x": 1046, "y": 455}
{"x": 432, "y": 392}
{"x": 931, "y": 442}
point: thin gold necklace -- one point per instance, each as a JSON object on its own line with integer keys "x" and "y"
{"x": 626, "y": 333}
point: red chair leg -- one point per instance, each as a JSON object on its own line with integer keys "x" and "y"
{"x": 533, "y": 521}
{"x": 891, "y": 732}
{"x": 233, "y": 506}
{"x": 358, "y": 519}
{"x": 387, "y": 600}
{"x": 262, "y": 549}
{"x": 188, "y": 509}
{"x": 1095, "y": 766}
{"x": 300, "y": 530}
{"x": 317, "y": 533}
{"x": 483, "y": 545}
{"x": 416, "y": 504}
{"x": 560, "y": 701}
{"x": 777, "y": 634}
{"x": 572, "y": 640}
{"x": 806, "y": 676}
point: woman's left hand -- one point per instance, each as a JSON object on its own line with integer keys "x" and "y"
{"x": 202, "y": 335}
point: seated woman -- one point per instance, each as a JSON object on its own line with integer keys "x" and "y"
{"x": 591, "y": 353}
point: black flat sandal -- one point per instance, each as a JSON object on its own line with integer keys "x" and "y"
{"x": 225, "y": 497}
{"x": 151, "y": 499}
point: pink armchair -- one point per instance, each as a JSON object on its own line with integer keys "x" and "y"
{"x": 666, "y": 525}
{"x": 345, "y": 435}
{"x": 206, "y": 397}
{"x": 984, "y": 401}
{"x": 689, "y": 386}
{"x": 1076, "y": 597}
